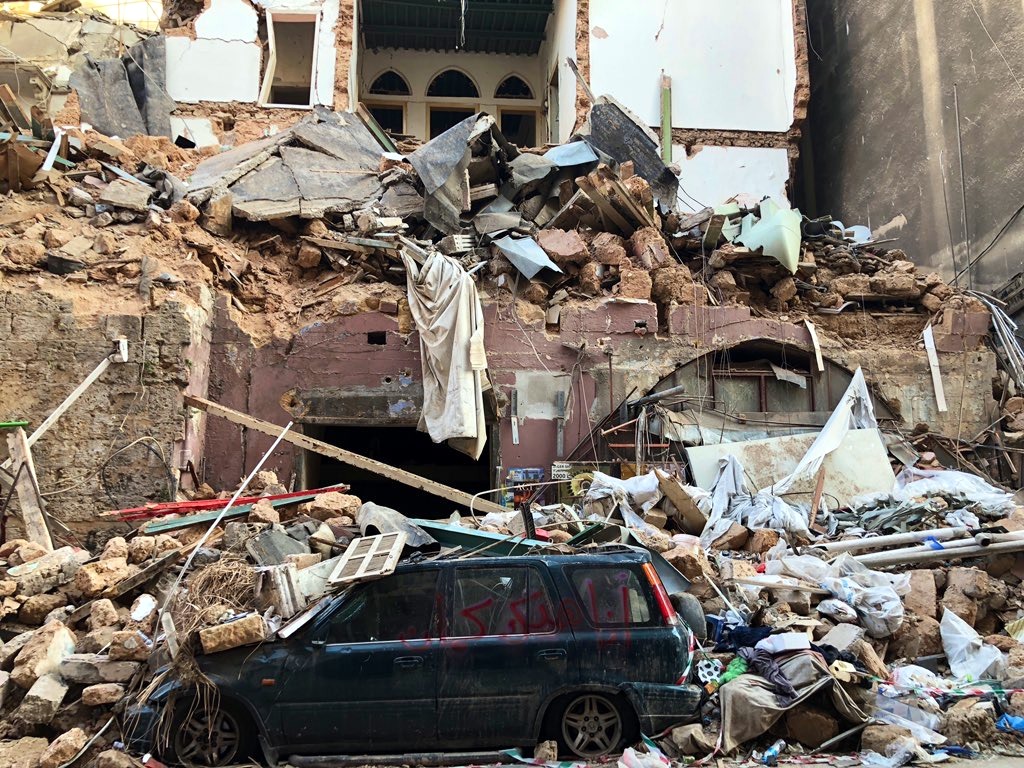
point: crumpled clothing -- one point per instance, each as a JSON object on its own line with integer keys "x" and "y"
{"x": 742, "y": 637}
{"x": 765, "y": 665}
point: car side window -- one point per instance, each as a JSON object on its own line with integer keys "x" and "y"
{"x": 489, "y": 601}
{"x": 612, "y": 596}
{"x": 396, "y": 607}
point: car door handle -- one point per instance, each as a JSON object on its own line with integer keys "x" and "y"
{"x": 551, "y": 654}
{"x": 409, "y": 662}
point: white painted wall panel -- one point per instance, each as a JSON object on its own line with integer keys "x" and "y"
{"x": 732, "y": 62}
{"x": 716, "y": 174}
{"x": 212, "y": 70}
{"x": 227, "y": 20}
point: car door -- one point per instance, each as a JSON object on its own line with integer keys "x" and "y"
{"x": 501, "y": 654}
{"x": 369, "y": 681}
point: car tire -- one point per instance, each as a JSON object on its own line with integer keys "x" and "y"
{"x": 210, "y": 734}
{"x": 592, "y": 724}
{"x": 690, "y": 611}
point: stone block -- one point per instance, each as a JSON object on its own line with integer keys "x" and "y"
{"x": 851, "y": 285}
{"x": 96, "y": 641}
{"x": 635, "y": 284}
{"x": 63, "y": 748}
{"x": 101, "y": 694}
{"x": 761, "y": 540}
{"x": 324, "y": 506}
{"x": 22, "y": 753}
{"x": 234, "y": 634}
{"x": 304, "y": 560}
{"x": 9, "y": 650}
{"x": 103, "y": 614}
{"x": 48, "y": 572}
{"x": 114, "y": 758}
{"x": 917, "y": 636}
{"x": 43, "y": 653}
{"x": 93, "y": 669}
{"x": 922, "y": 599}
{"x": 5, "y": 688}
{"x": 694, "y": 565}
{"x": 92, "y": 578}
{"x": 263, "y": 512}
{"x": 563, "y": 246}
{"x": 26, "y": 553}
{"x": 115, "y": 547}
{"x": 734, "y": 568}
{"x": 608, "y": 248}
{"x": 647, "y": 248}
{"x": 143, "y": 615}
{"x": 140, "y": 549}
{"x": 733, "y": 539}
{"x": 130, "y": 645}
{"x": 42, "y": 700}
{"x": 33, "y": 611}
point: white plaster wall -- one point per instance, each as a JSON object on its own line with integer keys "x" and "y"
{"x": 420, "y": 67}
{"x": 227, "y": 20}
{"x": 326, "y": 53}
{"x": 197, "y": 129}
{"x": 212, "y": 70}
{"x": 715, "y": 174}
{"x": 560, "y": 44}
{"x": 732, "y": 62}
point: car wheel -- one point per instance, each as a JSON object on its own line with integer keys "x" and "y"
{"x": 210, "y": 736}
{"x": 592, "y": 725}
{"x": 690, "y": 610}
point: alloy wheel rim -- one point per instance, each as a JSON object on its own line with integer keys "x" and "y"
{"x": 591, "y": 726}
{"x": 207, "y": 739}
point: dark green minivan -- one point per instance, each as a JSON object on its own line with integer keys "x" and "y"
{"x": 447, "y": 656}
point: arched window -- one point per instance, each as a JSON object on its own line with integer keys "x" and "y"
{"x": 390, "y": 83}
{"x": 513, "y": 87}
{"x": 453, "y": 84}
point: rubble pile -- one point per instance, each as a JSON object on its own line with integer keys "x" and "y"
{"x": 322, "y": 207}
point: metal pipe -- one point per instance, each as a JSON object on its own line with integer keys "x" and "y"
{"x": 902, "y": 557}
{"x": 876, "y": 542}
{"x": 963, "y": 186}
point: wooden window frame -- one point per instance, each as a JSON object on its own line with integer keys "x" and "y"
{"x": 267, "y": 86}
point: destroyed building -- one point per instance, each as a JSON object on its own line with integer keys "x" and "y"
{"x": 458, "y": 261}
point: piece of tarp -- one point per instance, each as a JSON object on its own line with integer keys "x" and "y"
{"x": 375, "y": 518}
{"x": 446, "y": 308}
{"x": 526, "y": 255}
{"x": 571, "y": 154}
{"x": 693, "y": 427}
{"x": 126, "y": 96}
{"x": 776, "y": 232}
{"x": 613, "y": 130}
{"x": 750, "y": 707}
{"x": 766, "y": 508}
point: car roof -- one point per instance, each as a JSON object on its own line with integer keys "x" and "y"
{"x": 596, "y": 556}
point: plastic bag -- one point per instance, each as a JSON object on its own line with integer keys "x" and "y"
{"x": 837, "y": 610}
{"x": 970, "y": 657}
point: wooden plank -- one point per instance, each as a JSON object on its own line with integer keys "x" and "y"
{"x": 27, "y": 486}
{"x": 817, "y": 347}
{"x": 13, "y": 108}
{"x": 819, "y": 489}
{"x": 448, "y": 493}
{"x": 604, "y": 205}
{"x": 692, "y": 518}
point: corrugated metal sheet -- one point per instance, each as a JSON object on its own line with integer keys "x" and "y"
{"x": 492, "y": 26}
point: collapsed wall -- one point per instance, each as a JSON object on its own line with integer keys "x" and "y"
{"x": 124, "y": 441}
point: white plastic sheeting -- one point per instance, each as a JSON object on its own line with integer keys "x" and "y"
{"x": 765, "y": 508}
{"x": 969, "y": 657}
{"x": 875, "y": 596}
{"x": 447, "y": 312}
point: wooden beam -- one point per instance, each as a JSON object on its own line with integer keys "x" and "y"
{"x": 474, "y": 503}
{"x": 27, "y": 486}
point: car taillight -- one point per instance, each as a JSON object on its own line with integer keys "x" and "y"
{"x": 667, "y": 611}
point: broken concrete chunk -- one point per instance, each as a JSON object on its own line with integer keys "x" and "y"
{"x": 63, "y": 748}
{"x": 22, "y": 753}
{"x": 114, "y": 758}
{"x": 608, "y": 249}
{"x": 10, "y": 649}
{"x": 122, "y": 193}
{"x": 635, "y": 284}
{"x": 263, "y": 512}
{"x": 851, "y": 285}
{"x": 43, "y": 653}
{"x": 843, "y": 636}
{"x": 143, "y": 615}
{"x": 96, "y": 641}
{"x": 648, "y": 249}
{"x": 878, "y": 738}
{"x": 234, "y": 634}
{"x": 921, "y": 599}
{"x": 42, "y": 700}
{"x": 8, "y": 548}
{"x": 674, "y": 284}
{"x": 734, "y": 538}
{"x": 93, "y": 669}
{"x": 101, "y": 694}
{"x": 26, "y": 553}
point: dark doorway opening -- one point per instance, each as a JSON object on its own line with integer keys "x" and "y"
{"x": 402, "y": 447}
{"x": 442, "y": 118}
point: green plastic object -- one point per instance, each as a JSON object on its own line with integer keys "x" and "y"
{"x": 736, "y": 668}
{"x": 12, "y": 424}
